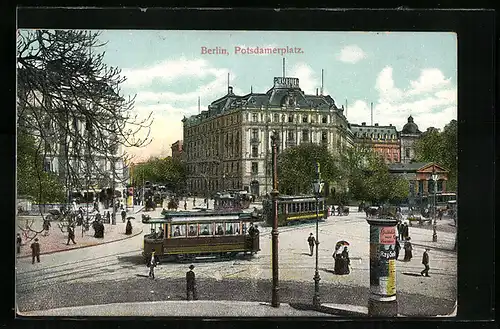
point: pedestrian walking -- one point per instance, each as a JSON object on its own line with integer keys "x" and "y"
{"x": 46, "y": 227}
{"x": 108, "y": 217}
{"x": 19, "y": 241}
{"x": 397, "y": 248}
{"x": 35, "y": 251}
{"x": 191, "y": 283}
{"x": 425, "y": 261}
{"x": 185, "y": 205}
{"x": 311, "y": 240}
{"x": 124, "y": 215}
{"x": 152, "y": 263}
{"x": 71, "y": 234}
{"x": 406, "y": 231}
{"x": 194, "y": 202}
{"x": 408, "y": 250}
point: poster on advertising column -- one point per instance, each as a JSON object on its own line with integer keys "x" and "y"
{"x": 382, "y": 261}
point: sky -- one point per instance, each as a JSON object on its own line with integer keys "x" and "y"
{"x": 402, "y": 73}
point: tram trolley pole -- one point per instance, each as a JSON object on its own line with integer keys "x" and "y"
{"x": 382, "y": 301}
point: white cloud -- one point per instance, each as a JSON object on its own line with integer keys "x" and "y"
{"x": 431, "y": 100}
{"x": 385, "y": 86}
{"x": 351, "y": 54}
{"x": 167, "y": 70}
{"x": 309, "y": 80}
{"x": 429, "y": 80}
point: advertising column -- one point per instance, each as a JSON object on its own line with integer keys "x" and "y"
{"x": 382, "y": 301}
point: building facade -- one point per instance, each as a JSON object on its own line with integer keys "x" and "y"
{"x": 382, "y": 139}
{"x": 177, "y": 150}
{"x": 228, "y": 146}
{"x": 408, "y": 136}
{"x": 419, "y": 177}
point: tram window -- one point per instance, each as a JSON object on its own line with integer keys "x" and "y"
{"x": 232, "y": 228}
{"x": 244, "y": 228}
{"x": 193, "y": 230}
{"x": 219, "y": 229}
{"x": 178, "y": 231}
{"x": 293, "y": 207}
{"x": 206, "y": 229}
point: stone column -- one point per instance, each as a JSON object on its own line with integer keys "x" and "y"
{"x": 382, "y": 300}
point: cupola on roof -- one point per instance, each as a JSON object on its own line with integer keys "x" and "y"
{"x": 410, "y": 127}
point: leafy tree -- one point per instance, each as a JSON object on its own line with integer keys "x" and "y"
{"x": 69, "y": 99}
{"x": 369, "y": 178}
{"x": 168, "y": 171}
{"x": 297, "y": 168}
{"x": 32, "y": 180}
{"x": 441, "y": 147}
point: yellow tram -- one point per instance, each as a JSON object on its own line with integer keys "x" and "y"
{"x": 294, "y": 209}
{"x": 188, "y": 235}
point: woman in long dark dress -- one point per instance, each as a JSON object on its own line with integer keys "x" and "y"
{"x": 408, "y": 250}
{"x": 345, "y": 261}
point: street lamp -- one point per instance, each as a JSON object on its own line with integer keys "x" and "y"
{"x": 318, "y": 186}
{"x": 434, "y": 178}
{"x": 274, "y": 233}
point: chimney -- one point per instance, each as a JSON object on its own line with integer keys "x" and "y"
{"x": 376, "y": 125}
{"x": 390, "y": 124}
{"x": 363, "y": 123}
{"x": 229, "y": 90}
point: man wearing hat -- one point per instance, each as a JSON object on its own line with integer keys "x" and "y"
{"x": 425, "y": 261}
{"x": 191, "y": 283}
{"x": 311, "y": 240}
{"x": 35, "y": 251}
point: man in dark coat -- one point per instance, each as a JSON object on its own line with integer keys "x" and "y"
{"x": 311, "y": 240}
{"x": 425, "y": 261}
{"x": 397, "y": 248}
{"x": 19, "y": 241}
{"x": 35, "y": 251}
{"x": 406, "y": 231}
{"x": 191, "y": 283}
{"x": 124, "y": 214}
{"x": 71, "y": 234}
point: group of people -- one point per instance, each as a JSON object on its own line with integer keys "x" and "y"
{"x": 154, "y": 261}
{"x": 340, "y": 255}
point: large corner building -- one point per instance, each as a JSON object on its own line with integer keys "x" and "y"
{"x": 228, "y": 146}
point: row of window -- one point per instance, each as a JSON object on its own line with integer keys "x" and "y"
{"x": 225, "y": 121}
{"x": 194, "y": 230}
{"x": 290, "y": 118}
{"x": 213, "y": 185}
{"x": 291, "y": 134}
{"x": 375, "y": 136}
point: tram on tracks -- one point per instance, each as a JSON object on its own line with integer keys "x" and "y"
{"x": 190, "y": 235}
{"x": 294, "y": 209}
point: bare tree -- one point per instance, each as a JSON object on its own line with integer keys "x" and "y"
{"x": 71, "y": 101}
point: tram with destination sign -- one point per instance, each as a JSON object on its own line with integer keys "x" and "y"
{"x": 190, "y": 235}
{"x": 294, "y": 209}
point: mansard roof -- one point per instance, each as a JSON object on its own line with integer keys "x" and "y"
{"x": 285, "y": 91}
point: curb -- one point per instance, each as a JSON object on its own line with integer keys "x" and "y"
{"x": 328, "y": 310}
{"x": 91, "y": 245}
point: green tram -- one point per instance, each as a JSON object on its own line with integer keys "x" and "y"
{"x": 188, "y": 235}
{"x": 294, "y": 209}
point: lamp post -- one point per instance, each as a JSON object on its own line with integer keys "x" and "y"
{"x": 317, "y": 190}
{"x": 274, "y": 233}
{"x": 434, "y": 178}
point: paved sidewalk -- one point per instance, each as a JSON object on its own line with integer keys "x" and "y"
{"x": 58, "y": 237}
{"x": 199, "y": 308}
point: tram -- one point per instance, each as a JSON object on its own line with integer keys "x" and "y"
{"x": 231, "y": 200}
{"x": 294, "y": 209}
{"x": 189, "y": 235}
